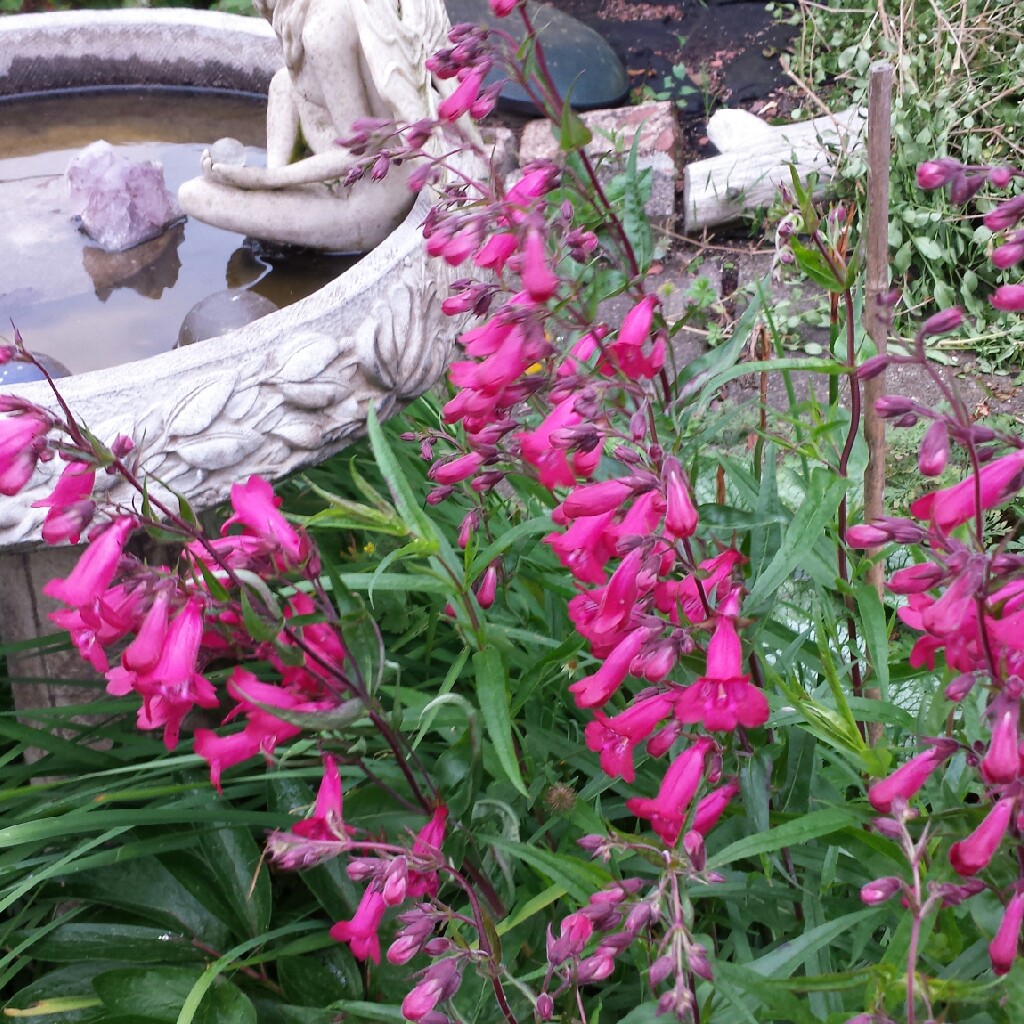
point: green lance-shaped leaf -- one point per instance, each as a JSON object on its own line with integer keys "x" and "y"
{"x": 492, "y": 696}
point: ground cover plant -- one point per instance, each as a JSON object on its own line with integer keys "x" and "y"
{"x": 558, "y": 701}
{"x": 958, "y": 94}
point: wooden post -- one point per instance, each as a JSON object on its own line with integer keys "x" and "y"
{"x": 876, "y": 315}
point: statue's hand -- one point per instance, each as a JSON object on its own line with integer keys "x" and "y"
{"x": 233, "y": 175}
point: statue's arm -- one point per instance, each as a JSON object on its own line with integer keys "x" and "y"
{"x": 321, "y": 167}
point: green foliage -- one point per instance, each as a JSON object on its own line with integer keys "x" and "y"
{"x": 958, "y": 94}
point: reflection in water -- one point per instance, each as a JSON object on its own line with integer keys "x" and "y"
{"x": 107, "y": 309}
{"x": 147, "y": 269}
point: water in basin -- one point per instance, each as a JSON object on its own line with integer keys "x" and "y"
{"x": 88, "y": 309}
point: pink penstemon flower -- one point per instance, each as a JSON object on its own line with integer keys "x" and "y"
{"x": 96, "y": 568}
{"x": 971, "y": 855}
{"x": 956, "y": 505}
{"x": 616, "y": 737}
{"x": 723, "y": 698}
{"x": 1003, "y": 948}
{"x": 361, "y": 930}
{"x": 667, "y": 811}
{"x": 70, "y": 504}
{"x": 907, "y": 780}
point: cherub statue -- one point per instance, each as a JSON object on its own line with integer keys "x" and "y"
{"x": 344, "y": 59}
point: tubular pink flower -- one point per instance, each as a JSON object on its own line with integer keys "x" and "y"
{"x": 617, "y": 598}
{"x": 594, "y": 690}
{"x": 535, "y": 183}
{"x": 496, "y": 251}
{"x": 713, "y": 806}
{"x": 866, "y": 535}
{"x": 724, "y": 697}
{"x": 503, "y": 8}
{"x": 574, "y": 934}
{"x": 907, "y": 779}
{"x": 452, "y": 107}
{"x": 955, "y": 505}
{"x": 593, "y": 499}
{"x": 95, "y": 569}
{"x": 934, "y": 451}
{"x": 361, "y": 931}
{"x": 615, "y": 738}
{"x": 971, "y": 855}
{"x": 916, "y": 579}
{"x": 1002, "y": 950}
{"x": 69, "y": 504}
{"x": 1001, "y": 763}
{"x": 636, "y": 324}
{"x": 1008, "y": 297}
{"x": 256, "y": 509}
{"x": 538, "y": 279}
{"x": 456, "y": 470}
{"x": 667, "y": 811}
{"x": 488, "y": 588}
{"x": 327, "y": 822}
{"x": 143, "y": 653}
{"x": 584, "y": 548}
{"x": 21, "y": 437}
{"x": 552, "y": 464}
{"x": 680, "y": 511}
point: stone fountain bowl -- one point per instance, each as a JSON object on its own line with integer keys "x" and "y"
{"x": 283, "y": 392}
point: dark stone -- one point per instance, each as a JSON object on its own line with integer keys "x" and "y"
{"x": 222, "y": 312}
{"x": 582, "y": 64}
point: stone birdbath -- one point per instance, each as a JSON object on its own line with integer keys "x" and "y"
{"x": 285, "y": 391}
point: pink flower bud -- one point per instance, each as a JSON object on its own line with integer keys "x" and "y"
{"x": 866, "y": 535}
{"x": 1006, "y": 255}
{"x": 544, "y": 1008}
{"x": 905, "y": 782}
{"x": 1009, "y": 298}
{"x": 1003, "y": 948}
{"x": 931, "y": 459}
{"x": 1006, "y": 214}
{"x": 916, "y": 579}
{"x": 965, "y": 187}
{"x": 595, "y": 968}
{"x": 697, "y": 960}
{"x": 880, "y": 890}
{"x": 1000, "y": 176}
{"x": 503, "y": 8}
{"x": 872, "y": 367}
{"x": 488, "y": 587}
{"x": 661, "y": 969}
{"x": 693, "y": 844}
{"x": 970, "y": 855}
{"x": 538, "y": 279}
{"x": 455, "y": 470}
{"x": 960, "y": 687}
{"x": 680, "y": 513}
{"x": 937, "y": 173}
{"x": 1001, "y": 764}
{"x": 942, "y": 322}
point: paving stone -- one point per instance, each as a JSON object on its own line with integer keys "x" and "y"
{"x": 614, "y": 132}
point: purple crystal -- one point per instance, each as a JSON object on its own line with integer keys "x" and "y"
{"x": 120, "y": 203}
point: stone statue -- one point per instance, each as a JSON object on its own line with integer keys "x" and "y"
{"x": 344, "y": 59}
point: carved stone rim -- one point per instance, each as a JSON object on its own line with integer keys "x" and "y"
{"x": 384, "y": 362}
